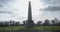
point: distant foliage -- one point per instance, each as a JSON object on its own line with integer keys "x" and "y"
{"x": 47, "y": 22}
{"x": 9, "y": 23}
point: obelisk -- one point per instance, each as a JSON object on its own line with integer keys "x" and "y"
{"x": 29, "y": 12}
{"x": 29, "y": 21}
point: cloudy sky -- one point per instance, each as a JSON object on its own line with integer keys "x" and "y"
{"x": 18, "y": 9}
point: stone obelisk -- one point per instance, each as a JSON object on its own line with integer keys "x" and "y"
{"x": 29, "y": 22}
{"x": 29, "y": 12}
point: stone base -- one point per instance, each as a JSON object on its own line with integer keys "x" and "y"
{"x": 29, "y": 23}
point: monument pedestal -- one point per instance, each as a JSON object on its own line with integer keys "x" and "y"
{"x": 30, "y": 23}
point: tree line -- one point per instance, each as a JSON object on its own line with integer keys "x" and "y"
{"x": 47, "y": 22}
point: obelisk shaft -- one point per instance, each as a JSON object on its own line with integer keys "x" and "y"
{"x": 29, "y": 12}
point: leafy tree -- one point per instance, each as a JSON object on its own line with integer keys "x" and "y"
{"x": 53, "y": 22}
{"x": 0, "y": 24}
{"x": 39, "y": 23}
{"x": 17, "y": 23}
{"x": 46, "y": 23}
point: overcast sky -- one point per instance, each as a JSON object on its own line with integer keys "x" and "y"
{"x": 18, "y": 9}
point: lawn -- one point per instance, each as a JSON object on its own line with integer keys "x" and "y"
{"x": 50, "y": 28}
{"x": 13, "y": 28}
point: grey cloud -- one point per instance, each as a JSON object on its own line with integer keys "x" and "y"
{"x": 1, "y": 5}
{"x": 5, "y": 12}
{"x": 5, "y": 1}
{"x": 4, "y": 8}
{"x": 51, "y": 8}
{"x": 51, "y": 2}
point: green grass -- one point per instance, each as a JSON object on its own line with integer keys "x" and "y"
{"x": 13, "y": 28}
{"x": 50, "y": 28}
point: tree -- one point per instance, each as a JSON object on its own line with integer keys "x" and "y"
{"x": 24, "y": 22}
{"x": 39, "y": 23}
{"x": 0, "y": 24}
{"x": 56, "y": 20}
{"x": 59, "y": 23}
{"x": 12, "y": 23}
{"x": 46, "y": 23}
{"x": 17, "y": 23}
{"x": 53, "y": 22}
{"x": 5, "y": 24}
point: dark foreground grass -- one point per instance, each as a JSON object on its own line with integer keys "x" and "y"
{"x": 14, "y": 28}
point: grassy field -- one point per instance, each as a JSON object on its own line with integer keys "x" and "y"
{"x": 13, "y": 28}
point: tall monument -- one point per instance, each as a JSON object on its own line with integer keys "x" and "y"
{"x": 29, "y": 22}
{"x": 29, "y": 12}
